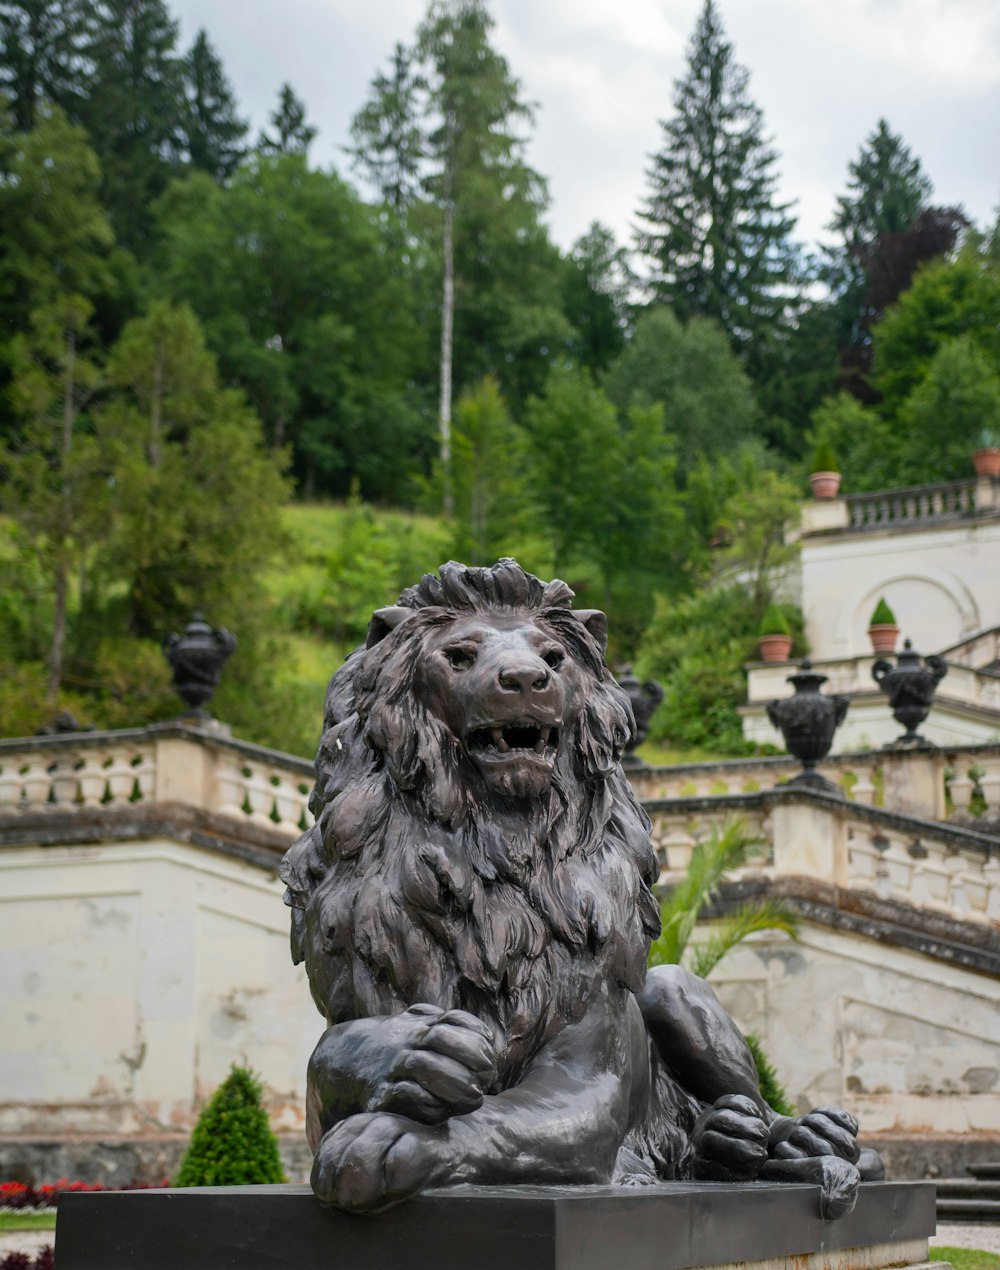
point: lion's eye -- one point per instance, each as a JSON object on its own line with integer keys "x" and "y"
{"x": 554, "y": 658}
{"x": 460, "y": 658}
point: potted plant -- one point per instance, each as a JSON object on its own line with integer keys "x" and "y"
{"x": 882, "y": 629}
{"x": 824, "y": 478}
{"x": 986, "y": 459}
{"x": 775, "y": 642}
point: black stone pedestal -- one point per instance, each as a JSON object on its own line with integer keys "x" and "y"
{"x": 668, "y": 1227}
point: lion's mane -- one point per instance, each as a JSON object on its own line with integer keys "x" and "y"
{"x": 408, "y": 889}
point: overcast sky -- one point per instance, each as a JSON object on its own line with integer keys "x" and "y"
{"x": 601, "y": 74}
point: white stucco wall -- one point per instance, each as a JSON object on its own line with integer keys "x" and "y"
{"x": 905, "y": 1042}
{"x": 131, "y": 976}
{"x": 943, "y": 585}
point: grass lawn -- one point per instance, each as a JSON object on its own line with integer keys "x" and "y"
{"x": 27, "y": 1219}
{"x": 966, "y": 1258}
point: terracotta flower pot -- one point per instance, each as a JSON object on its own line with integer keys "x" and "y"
{"x": 825, "y": 484}
{"x": 775, "y": 648}
{"x": 883, "y": 636}
{"x": 987, "y": 462}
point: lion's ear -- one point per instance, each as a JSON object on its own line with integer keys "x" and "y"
{"x": 596, "y": 623}
{"x": 386, "y": 620}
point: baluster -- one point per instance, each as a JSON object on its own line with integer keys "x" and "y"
{"x": 145, "y": 775}
{"x": 989, "y": 784}
{"x": 961, "y": 788}
{"x": 121, "y": 778}
{"x": 864, "y": 789}
{"x": 862, "y": 859}
{"x": 36, "y": 783}
{"x": 10, "y": 787}
{"x": 65, "y": 783}
{"x": 231, "y": 785}
{"x": 260, "y": 795}
{"x": 92, "y": 777}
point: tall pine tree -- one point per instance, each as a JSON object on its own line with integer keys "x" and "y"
{"x": 290, "y": 133}
{"x": 43, "y": 56}
{"x": 135, "y": 112}
{"x": 215, "y": 131}
{"x": 716, "y": 239}
{"x": 887, "y": 229}
{"x": 388, "y": 141}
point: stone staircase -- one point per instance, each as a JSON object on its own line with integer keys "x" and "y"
{"x": 975, "y": 1199}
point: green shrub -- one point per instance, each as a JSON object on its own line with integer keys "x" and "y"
{"x": 883, "y": 615}
{"x": 824, "y": 459}
{"x": 771, "y": 1087}
{"x": 233, "y": 1143}
{"x": 774, "y": 621}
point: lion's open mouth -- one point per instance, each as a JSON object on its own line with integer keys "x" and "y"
{"x": 506, "y": 739}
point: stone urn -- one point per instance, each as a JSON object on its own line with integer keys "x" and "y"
{"x": 807, "y": 720}
{"x": 196, "y": 659}
{"x": 910, "y": 686}
{"x": 644, "y": 698}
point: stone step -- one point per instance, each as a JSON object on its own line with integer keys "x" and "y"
{"x": 968, "y": 1188}
{"x": 978, "y": 1211}
{"x": 988, "y": 1170}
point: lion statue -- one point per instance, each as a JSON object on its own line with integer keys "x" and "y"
{"x": 474, "y": 906}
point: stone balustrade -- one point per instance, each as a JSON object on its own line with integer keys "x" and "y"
{"x": 889, "y": 835}
{"x": 920, "y": 503}
{"x": 857, "y": 775}
{"x": 166, "y": 763}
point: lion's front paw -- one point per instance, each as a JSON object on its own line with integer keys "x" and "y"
{"x": 444, "y": 1068}
{"x": 730, "y": 1140}
{"x": 369, "y": 1162}
{"x": 824, "y": 1131}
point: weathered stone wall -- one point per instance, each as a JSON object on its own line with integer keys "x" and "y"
{"x": 909, "y": 1044}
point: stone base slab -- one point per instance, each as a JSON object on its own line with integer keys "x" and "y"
{"x": 674, "y": 1226}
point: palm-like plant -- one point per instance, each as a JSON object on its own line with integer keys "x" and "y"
{"x": 729, "y": 846}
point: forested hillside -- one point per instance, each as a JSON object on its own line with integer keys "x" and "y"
{"x": 203, "y": 336}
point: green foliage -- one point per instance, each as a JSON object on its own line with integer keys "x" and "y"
{"x": 716, "y": 239}
{"x": 728, "y": 846}
{"x": 214, "y": 130}
{"x": 940, "y": 424}
{"x": 774, "y": 621}
{"x": 290, "y": 134}
{"x": 948, "y": 299}
{"x": 232, "y": 1143}
{"x": 882, "y": 614}
{"x": 55, "y": 236}
{"x": 860, "y": 436}
{"x": 824, "y": 459}
{"x": 771, "y": 1088}
{"x": 318, "y": 328}
{"x": 754, "y": 524}
{"x": 691, "y": 371}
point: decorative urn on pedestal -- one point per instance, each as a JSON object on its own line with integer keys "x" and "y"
{"x": 910, "y": 686}
{"x": 643, "y": 698}
{"x": 196, "y": 659}
{"x": 807, "y": 720}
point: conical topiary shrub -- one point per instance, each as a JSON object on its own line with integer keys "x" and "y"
{"x": 233, "y": 1143}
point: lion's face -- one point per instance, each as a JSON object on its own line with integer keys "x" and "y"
{"x": 505, "y": 688}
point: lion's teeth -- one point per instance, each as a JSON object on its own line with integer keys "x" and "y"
{"x": 497, "y": 735}
{"x": 539, "y": 746}
{"x": 502, "y": 745}
{"x": 544, "y": 734}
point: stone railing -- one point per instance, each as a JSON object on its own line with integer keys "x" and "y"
{"x": 857, "y": 775}
{"x": 922, "y": 503}
{"x": 167, "y": 763}
{"x": 906, "y": 859}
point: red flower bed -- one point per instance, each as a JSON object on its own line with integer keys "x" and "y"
{"x": 18, "y": 1195}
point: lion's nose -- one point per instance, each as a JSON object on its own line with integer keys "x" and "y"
{"x": 524, "y": 677}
